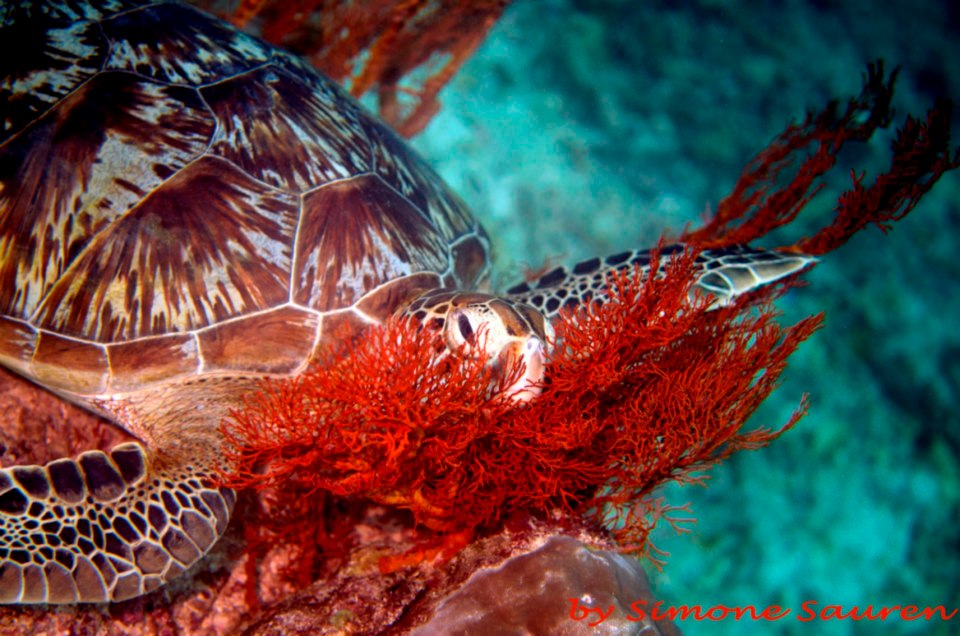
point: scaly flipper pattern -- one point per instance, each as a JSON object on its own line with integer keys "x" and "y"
{"x": 106, "y": 526}
{"x": 723, "y": 273}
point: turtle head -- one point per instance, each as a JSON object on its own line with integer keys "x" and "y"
{"x": 499, "y": 329}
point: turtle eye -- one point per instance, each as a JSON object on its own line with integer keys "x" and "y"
{"x": 466, "y": 329}
{"x": 462, "y": 332}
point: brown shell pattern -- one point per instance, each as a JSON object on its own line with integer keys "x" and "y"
{"x": 179, "y": 198}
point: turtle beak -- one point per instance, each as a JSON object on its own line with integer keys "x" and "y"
{"x": 532, "y": 353}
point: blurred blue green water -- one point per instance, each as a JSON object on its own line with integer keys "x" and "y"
{"x": 585, "y": 128}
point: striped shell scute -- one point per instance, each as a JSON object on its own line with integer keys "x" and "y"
{"x": 69, "y": 52}
{"x": 167, "y": 43}
{"x": 169, "y": 185}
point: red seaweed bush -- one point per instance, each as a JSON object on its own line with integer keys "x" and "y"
{"x": 646, "y": 388}
{"x": 642, "y": 389}
{"x": 768, "y": 195}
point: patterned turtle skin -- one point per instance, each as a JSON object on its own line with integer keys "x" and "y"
{"x": 185, "y": 210}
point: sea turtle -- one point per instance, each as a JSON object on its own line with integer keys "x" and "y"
{"x": 184, "y": 210}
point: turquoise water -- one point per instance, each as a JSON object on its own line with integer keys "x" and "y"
{"x": 588, "y": 128}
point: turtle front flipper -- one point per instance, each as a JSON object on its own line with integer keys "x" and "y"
{"x": 723, "y": 273}
{"x": 106, "y": 526}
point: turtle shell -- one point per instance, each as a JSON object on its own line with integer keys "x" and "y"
{"x": 179, "y": 198}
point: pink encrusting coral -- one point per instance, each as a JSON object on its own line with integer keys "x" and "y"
{"x": 646, "y": 388}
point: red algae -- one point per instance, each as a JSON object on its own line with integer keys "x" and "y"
{"x": 643, "y": 389}
{"x": 768, "y": 196}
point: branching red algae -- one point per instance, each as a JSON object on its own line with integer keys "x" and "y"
{"x": 768, "y": 195}
{"x": 642, "y": 389}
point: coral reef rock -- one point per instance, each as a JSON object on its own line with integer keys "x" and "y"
{"x": 537, "y": 580}
{"x": 547, "y": 591}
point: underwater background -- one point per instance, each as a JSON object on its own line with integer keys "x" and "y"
{"x": 588, "y": 128}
